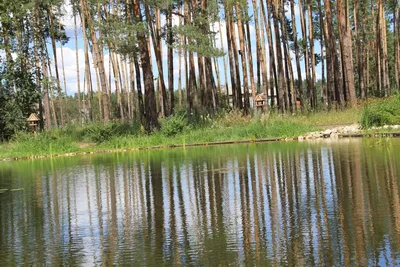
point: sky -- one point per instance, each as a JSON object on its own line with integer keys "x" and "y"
{"x": 70, "y": 66}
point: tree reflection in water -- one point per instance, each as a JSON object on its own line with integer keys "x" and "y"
{"x": 286, "y": 204}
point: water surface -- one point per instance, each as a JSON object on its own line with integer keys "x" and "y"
{"x": 279, "y": 204}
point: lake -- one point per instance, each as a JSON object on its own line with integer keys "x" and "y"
{"x": 319, "y": 203}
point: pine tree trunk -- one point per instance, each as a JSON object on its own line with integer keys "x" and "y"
{"x": 130, "y": 73}
{"x": 375, "y": 47}
{"x": 273, "y": 82}
{"x": 210, "y": 97}
{"x": 186, "y": 57}
{"x": 156, "y": 36}
{"x": 259, "y": 54}
{"x": 180, "y": 81}
{"x": 224, "y": 59}
{"x": 53, "y": 44}
{"x": 170, "y": 62}
{"x": 202, "y": 81}
{"x": 125, "y": 87}
{"x": 180, "y": 62}
{"x": 368, "y": 50}
{"x": 99, "y": 94}
{"x": 98, "y": 61}
{"x": 397, "y": 59}
{"x": 384, "y": 48}
{"x": 39, "y": 84}
{"x": 313, "y": 94}
{"x": 142, "y": 114}
{"x": 243, "y": 59}
{"x": 48, "y": 75}
{"x": 90, "y": 87}
{"x": 191, "y": 86}
{"x": 263, "y": 62}
{"x": 216, "y": 67}
{"x": 211, "y": 89}
{"x": 330, "y": 86}
{"x": 281, "y": 76}
{"x": 63, "y": 68}
{"x": 290, "y": 95}
{"x": 78, "y": 77}
{"x": 121, "y": 85}
{"x": 347, "y": 52}
{"x": 117, "y": 78}
{"x": 396, "y": 40}
{"x": 231, "y": 60}
{"x": 38, "y": 80}
{"x": 360, "y": 43}
{"x": 297, "y": 56}
{"x": 239, "y": 96}
{"x": 306, "y": 53}
{"x": 46, "y": 96}
{"x": 335, "y": 66}
{"x": 101, "y": 55}
{"x": 250, "y": 59}
{"x": 321, "y": 24}
{"x": 151, "y": 120}
{"x": 87, "y": 77}
{"x": 365, "y": 51}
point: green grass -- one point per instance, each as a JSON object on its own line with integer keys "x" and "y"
{"x": 334, "y": 117}
{"x": 97, "y": 137}
{"x": 382, "y": 112}
{"x": 178, "y": 130}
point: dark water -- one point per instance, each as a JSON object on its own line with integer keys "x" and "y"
{"x": 281, "y": 204}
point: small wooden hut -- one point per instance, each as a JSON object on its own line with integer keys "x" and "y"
{"x": 261, "y": 102}
{"x": 33, "y": 122}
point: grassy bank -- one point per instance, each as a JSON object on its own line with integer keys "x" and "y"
{"x": 177, "y": 130}
{"x": 379, "y": 113}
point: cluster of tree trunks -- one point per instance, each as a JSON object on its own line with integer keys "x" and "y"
{"x": 328, "y": 54}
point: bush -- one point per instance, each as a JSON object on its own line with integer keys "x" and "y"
{"x": 174, "y": 125}
{"x": 100, "y": 133}
{"x": 18, "y": 98}
{"x": 381, "y": 113}
{"x": 233, "y": 117}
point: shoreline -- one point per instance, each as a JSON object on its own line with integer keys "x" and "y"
{"x": 308, "y": 137}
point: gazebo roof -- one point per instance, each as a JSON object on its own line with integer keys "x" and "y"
{"x": 261, "y": 97}
{"x": 33, "y": 118}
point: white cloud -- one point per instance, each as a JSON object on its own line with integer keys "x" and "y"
{"x": 68, "y": 17}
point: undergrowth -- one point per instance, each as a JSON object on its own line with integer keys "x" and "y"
{"x": 383, "y": 112}
{"x": 180, "y": 129}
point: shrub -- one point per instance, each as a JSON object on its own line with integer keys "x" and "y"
{"x": 233, "y": 117}
{"x": 174, "y": 125}
{"x": 381, "y": 113}
{"x": 100, "y": 133}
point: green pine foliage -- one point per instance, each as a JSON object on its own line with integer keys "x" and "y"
{"x": 18, "y": 99}
{"x": 174, "y": 125}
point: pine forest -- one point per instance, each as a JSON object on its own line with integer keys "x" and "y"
{"x": 144, "y": 60}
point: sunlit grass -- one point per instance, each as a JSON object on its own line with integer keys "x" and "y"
{"x": 230, "y": 126}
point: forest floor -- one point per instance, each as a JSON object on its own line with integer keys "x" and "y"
{"x": 226, "y": 129}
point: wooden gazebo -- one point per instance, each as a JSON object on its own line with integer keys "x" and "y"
{"x": 261, "y": 101}
{"x": 33, "y": 121}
